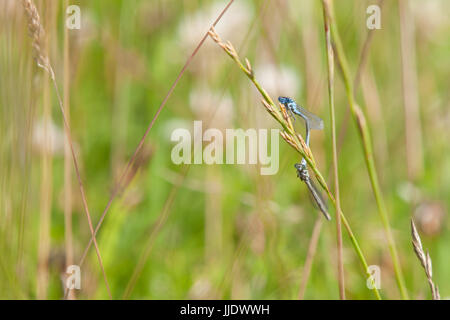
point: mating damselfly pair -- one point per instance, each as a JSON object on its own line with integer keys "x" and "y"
{"x": 312, "y": 122}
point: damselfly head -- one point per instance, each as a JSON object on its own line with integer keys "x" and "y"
{"x": 284, "y": 100}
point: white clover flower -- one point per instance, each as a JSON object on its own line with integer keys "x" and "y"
{"x": 431, "y": 15}
{"x": 232, "y": 26}
{"x": 48, "y": 139}
{"x": 278, "y": 81}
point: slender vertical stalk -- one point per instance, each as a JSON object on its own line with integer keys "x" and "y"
{"x": 67, "y": 158}
{"x": 46, "y": 176}
{"x": 42, "y": 60}
{"x": 330, "y": 64}
{"x": 375, "y": 113}
{"x": 413, "y": 127}
{"x": 361, "y": 122}
{"x": 310, "y": 256}
{"x": 213, "y": 217}
{"x": 45, "y": 196}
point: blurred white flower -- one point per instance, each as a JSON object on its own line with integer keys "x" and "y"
{"x": 431, "y": 16}
{"x": 429, "y": 217}
{"x": 48, "y": 139}
{"x": 230, "y": 27}
{"x": 409, "y": 192}
{"x": 278, "y": 81}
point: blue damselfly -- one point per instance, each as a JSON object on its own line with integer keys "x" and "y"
{"x": 312, "y": 122}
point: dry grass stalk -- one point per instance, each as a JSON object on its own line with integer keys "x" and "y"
{"x": 46, "y": 190}
{"x": 68, "y": 235}
{"x": 310, "y": 256}
{"x": 413, "y": 126}
{"x": 425, "y": 260}
{"x": 330, "y": 65}
{"x": 36, "y": 32}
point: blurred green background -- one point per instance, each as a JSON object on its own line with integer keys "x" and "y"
{"x": 218, "y": 231}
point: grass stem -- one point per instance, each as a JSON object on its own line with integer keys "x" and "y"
{"x": 361, "y": 123}
{"x": 330, "y": 65}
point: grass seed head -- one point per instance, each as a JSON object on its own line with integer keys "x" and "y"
{"x": 425, "y": 261}
{"x": 36, "y": 32}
